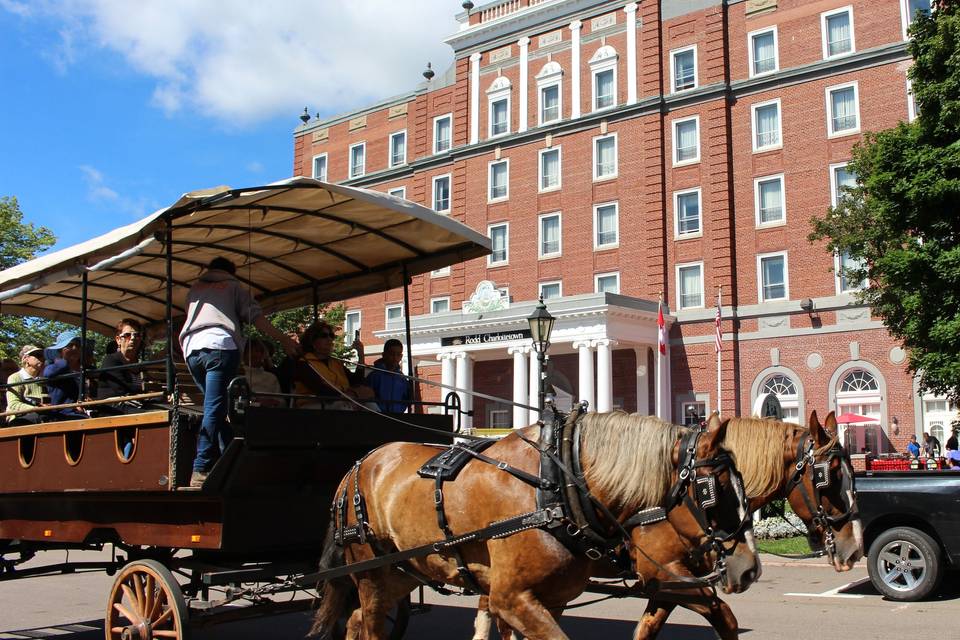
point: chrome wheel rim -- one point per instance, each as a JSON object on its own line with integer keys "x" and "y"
{"x": 901, "y": 565}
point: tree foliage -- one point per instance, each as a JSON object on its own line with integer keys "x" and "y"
{"x": 901, "y": 223}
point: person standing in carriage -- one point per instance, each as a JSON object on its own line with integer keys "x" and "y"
{"x": 218, "y": 307}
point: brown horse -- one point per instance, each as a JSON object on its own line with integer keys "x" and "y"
{"x": 776, "y": 460}
{"x": 629, "y": 463}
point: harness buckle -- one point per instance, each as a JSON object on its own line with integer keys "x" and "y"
{"x": 684, "y": 473}
{"x": 438, "y": 496}
{"x": 356, "y": 499}
{"x": 593, "y": 554}
{"x": 502, "y": 465}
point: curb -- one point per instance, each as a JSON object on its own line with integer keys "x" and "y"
{"x": 768, "y": 560}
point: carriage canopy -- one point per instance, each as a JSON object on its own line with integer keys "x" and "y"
{"x": 294, "y": 242}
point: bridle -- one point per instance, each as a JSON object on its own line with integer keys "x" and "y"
{"x": 806, "y": 457}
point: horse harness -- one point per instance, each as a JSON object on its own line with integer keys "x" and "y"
{"x": 565, "y": 507}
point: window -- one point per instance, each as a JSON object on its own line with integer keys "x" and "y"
{"x": 859, "y": 381}
{"x": 843, "y": 110}
{"x": 686, "y": 140}
{"x": 772, "y": 278}
{"x": 683, "y": 68}
{"x": 351, "y": 325}
{"x": 393, "y": 314}
{"x": 550, "y": 169}
{"x": 499, "y": 243}
{"x": 766, "y": 125}
{"x": 603, "y": 66}
{"x": 549, "y": 235}
{"x": 442, "y": 133}
{"x": 441, "y": 194}
{"x": 500, "y": 117}
{"x": 911, "y": 102}
{"x": 605, "y": 226}
{"x": 441, "y": 272}
{"x": 836, "y": 28}
{"x": 762, "y": 48}
{"x": 398, "y": 148}
{"x": 400, "y": 192}
{"x": 859, "y": 392}
{"x": 358, "y": 162}
{"x": 693, "y": 413}
{"x": 786, "y": 391}
{"x": 690, "y": 285}
{"x": 605, "y": 157}
{"x": 549, "y": 290}
{"x": 686, "y": 206}
{"x": 908, "y": 12}
{"x": 499, "y": 418}
{"x": 440, "y": 305}
{"x": 842, "y": 179}
{"x": 769, "y": 201}
{"x": 320, "y": 167}
{"x": 845, "y": 265}
{"x": 607, "y": 282}
{"x": 549, "y": 95}
{"x": 498, "y": 180}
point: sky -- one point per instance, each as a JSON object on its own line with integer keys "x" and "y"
{"x": 112, "y": 109}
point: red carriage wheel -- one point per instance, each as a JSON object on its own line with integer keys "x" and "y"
{"x": 145, "y": 603}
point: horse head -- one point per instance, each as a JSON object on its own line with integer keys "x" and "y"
{"x": 823, "y": 495}
{"x": 715, "y": 514}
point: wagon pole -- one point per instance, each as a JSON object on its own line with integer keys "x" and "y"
{"x": 83, "y": 333}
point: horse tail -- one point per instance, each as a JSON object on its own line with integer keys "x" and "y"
{"x": 335, "y": 595}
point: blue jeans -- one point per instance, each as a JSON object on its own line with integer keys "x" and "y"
{"x": 212, "y": 370}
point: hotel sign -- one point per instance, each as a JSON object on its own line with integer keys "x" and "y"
{"x": 486, "y": 338}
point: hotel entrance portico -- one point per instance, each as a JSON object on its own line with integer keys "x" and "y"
{"x": 603, "y": 350}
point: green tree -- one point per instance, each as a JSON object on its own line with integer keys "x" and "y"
{"x": 900, "y": 224}
{"x": 20, "y": 242}
{"x": 294, "y": 321}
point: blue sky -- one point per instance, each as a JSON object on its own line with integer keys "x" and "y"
{"x": 113, "y": 109}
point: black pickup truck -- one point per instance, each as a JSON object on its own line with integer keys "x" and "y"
{"x": 911, "y": 526}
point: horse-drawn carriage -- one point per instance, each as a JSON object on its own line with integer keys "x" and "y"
{"x": 527, "y": 521}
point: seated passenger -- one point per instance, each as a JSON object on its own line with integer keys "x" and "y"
{"x": 128, "y": 337}
{"x": 26, "y": 396}
{"x": 320, "y": 375}
{"x": 255, "y": 361}
{"x": 391, "y": 387}
{"x": 7, "y": 368}
{"x": 63, "y": 358}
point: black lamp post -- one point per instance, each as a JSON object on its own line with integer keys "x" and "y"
{"x": 541, "y": 326}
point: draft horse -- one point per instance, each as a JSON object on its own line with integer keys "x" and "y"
{"x": 629, "y": 465}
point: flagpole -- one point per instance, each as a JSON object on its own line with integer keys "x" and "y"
{"x": 658, "y": 393}
{"x": 719, "y": 300}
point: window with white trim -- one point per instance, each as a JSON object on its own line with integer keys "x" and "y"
{"x": 400, "y": 192}
{"x": 693, "y": 413}
{"x": 842, "y": 179}
{"x": 550, "y": 235}
{"x": 498, "y": 180}
{"x": 549, "y": 94}
{"x": 606, "y": 233}
{"x": 909, "y": 9}
{"x": 763, "y": 51}
{"x": 499, "y": 244}
{"x": 859, "y": 393}
{"x": 351, "y": 325}
{"x": 393, "y": 314}
{"x": 549, "y": 178}
{"x": 687, "y": 218}
{"x": 398, "y": 148}
{"x": 605, "y": 157}
{"x": 683, "y": 68}
{"x": 766, "y": 125}
{"x": 607, "y": 282}
{"x": 442, "y": 133}
{"x": 843, "y": 109}
{"x": 498, "y": 107}
{"x": 690, "y": 285}
{"x": 911, "y": 103}
{"x": 785, "y": 389}
{"x": 440, "y": 305}
{"x": 441, "y": 194}
{"x": 686, "y": 140}
{"x": 320, "y": 167}
{"x": 769, "y": 201}
{"x": 358, "y": 159}
{"x": 603, "y": 70}
{"x": 836, "y": 29}
{"x": 440, "y": 273}
{"x": 772, "y": 276}
{"x": 549, "y": 290}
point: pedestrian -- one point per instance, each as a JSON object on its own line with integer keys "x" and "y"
{"x": 391, "y": 387}
{"x": 912, "y": 447}
{"x": 218, "y": 307}
{"x": 931, "y": 446}
{"x": 952, "y": 441}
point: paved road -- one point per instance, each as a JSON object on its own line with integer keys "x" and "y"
{"x": 792, "y": 600}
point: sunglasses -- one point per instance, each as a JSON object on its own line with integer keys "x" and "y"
{"x": 130, "y": 335}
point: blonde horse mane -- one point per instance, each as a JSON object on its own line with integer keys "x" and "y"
{"x": 629, "y": 457}
{"x": 757, "y": 446}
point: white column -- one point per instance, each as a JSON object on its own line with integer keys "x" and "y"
{"x": 521, "y": 388}
{"x": 575, "y": 63}
{"x": 631, "y": 11}
{"x": 465, "y": 382}
{"x": 474, "y": 98}
{"x": 663, "y": 385}
{"x": 585, "y": 372}
{"x": 605, "y": 374}
{"x": 534, "y": 385}
{"x": 447, "y": 374}
{"x": 643, "y": 381}
{"x": 523, "y": 43}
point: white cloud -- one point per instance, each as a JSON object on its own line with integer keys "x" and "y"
{"x": 100, "y": 194}
{"x": 241, "y": 61}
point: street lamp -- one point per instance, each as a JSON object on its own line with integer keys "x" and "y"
{"x": 541, "y": 326}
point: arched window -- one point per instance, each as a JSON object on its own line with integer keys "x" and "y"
{"x": 786, "y": 391}
{"x": 603, "y": 69}
{"x": 498, "y": 103}
{"x": 859, "y": 381}
{"x": 859, "y": 393}
{"x": 550, "y": 97}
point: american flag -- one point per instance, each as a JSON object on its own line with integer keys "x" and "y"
{"x": 718, "y": 338}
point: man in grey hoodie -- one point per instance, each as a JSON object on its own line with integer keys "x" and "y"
{"x": 218, "y": 306}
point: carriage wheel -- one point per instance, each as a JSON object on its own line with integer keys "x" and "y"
{"x": 145, "y": 603}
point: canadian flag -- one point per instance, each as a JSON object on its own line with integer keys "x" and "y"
{"x": 663, "y": 329}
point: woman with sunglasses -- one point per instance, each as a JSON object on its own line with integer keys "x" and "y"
{"x": 116, "y": 382}
{"x": 318, "y": 374}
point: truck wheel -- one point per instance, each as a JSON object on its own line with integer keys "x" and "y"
{"x": 905, "y": 564}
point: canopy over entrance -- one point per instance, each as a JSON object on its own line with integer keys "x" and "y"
{"x": 294, "y": 242}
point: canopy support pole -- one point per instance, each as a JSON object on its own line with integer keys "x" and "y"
{"x": 83, "y": 335}
{"x": 316, "y": 303}
{"x": 171, "y": 371}
{"x": 406, "y": 322}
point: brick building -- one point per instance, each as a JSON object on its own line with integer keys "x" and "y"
{"x": 618, "y": 151}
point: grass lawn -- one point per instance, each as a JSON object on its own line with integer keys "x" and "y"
{"x": 795, "y": 545}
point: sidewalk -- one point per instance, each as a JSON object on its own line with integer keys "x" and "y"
{"x": 771, "y": 560}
